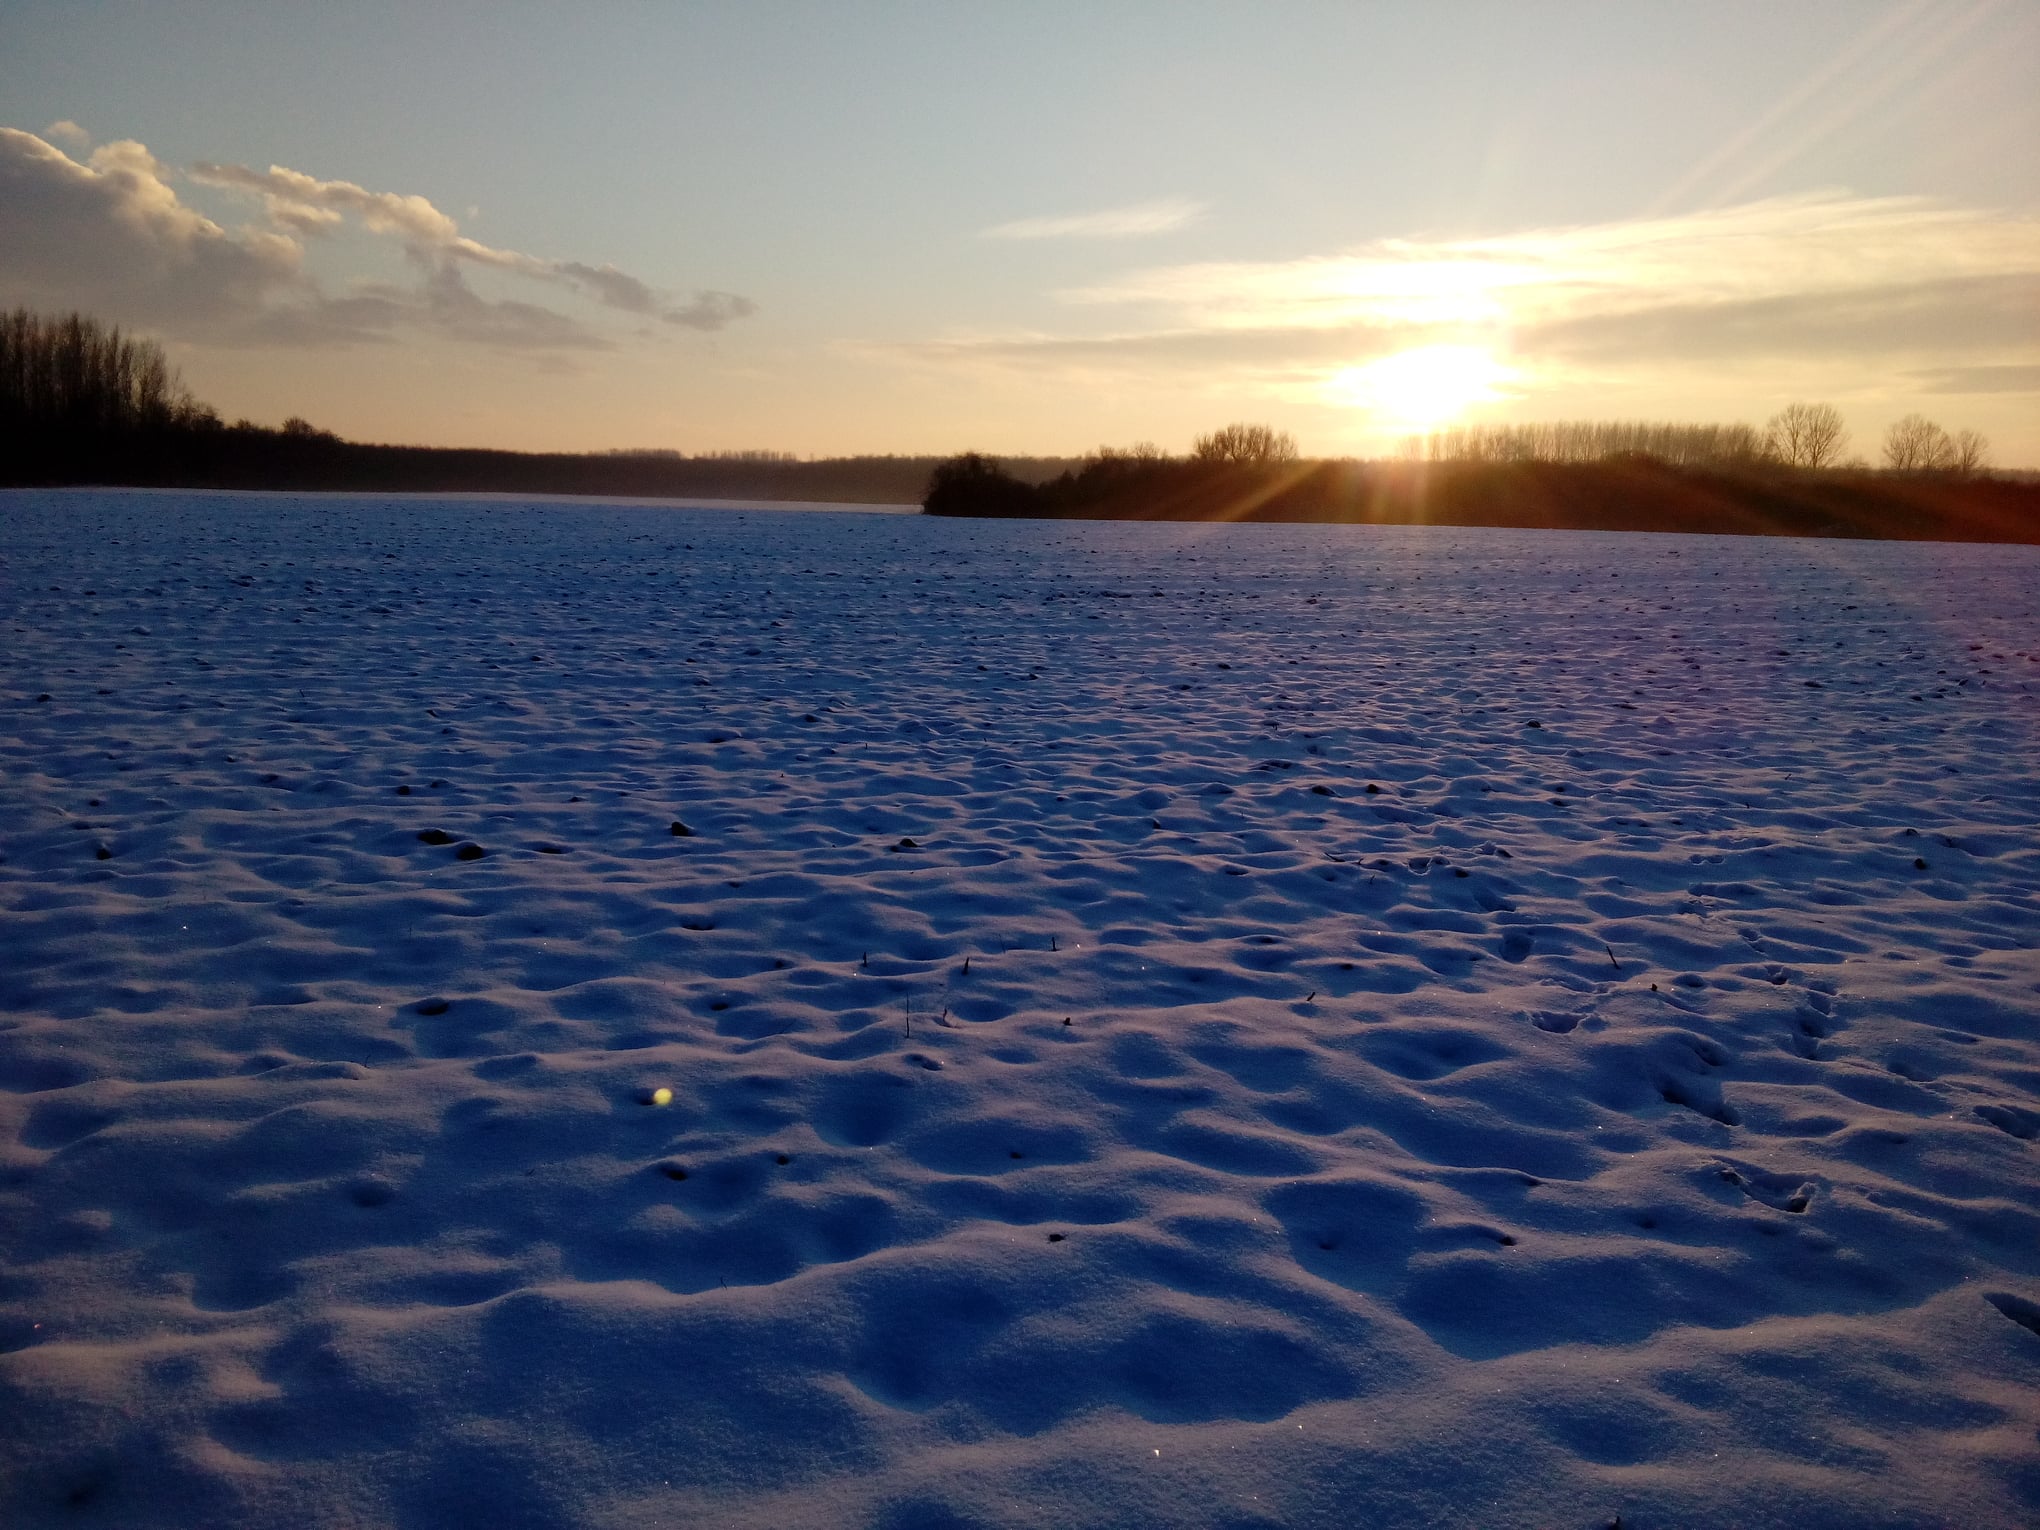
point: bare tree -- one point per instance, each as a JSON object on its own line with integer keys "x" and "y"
{"x": 1246, "y": 445}
{"x": 1806, "y": 435}
{"x": 1592, "y": 441}
{"x": 1916, "y": 444}
{"x": 1139, "y": 452}
{"x": 75, "y": 374}
{"x": 1972, "y": 452}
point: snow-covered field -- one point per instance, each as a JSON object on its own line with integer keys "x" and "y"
{"x": 1165, "y": 1026}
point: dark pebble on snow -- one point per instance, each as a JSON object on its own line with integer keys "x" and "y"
{"x": 469, "y": 852}
{"x": 434, "y": 837}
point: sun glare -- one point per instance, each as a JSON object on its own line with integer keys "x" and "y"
{"x": 1421, "y": 389}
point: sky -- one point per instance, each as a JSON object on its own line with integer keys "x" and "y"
{"x": 1038, "y": 229}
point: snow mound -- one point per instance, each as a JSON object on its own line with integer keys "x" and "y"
{"x": 545, "y": 1015}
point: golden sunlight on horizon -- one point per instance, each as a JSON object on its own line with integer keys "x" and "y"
{"x": 1421, "y": 389}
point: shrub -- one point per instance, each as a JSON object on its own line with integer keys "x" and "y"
{"x": 974, "y": 484}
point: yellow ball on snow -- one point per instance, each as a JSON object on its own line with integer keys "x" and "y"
{"x": 662, "y": 1096}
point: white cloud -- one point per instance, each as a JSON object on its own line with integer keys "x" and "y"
{"x": 1137, "y": 221}
{"x": 300, "y": 202}
{"x": 408, "y": 217}
{"x": 112, "y": 235}
{"x": 1828, "y": 284}
{"x": 66, "y": 131}
{"x": 1823, "y": 243}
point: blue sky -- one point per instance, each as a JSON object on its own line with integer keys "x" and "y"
{"x": 1038, "y": 228}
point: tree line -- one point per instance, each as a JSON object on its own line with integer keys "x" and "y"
{"x": 1593, "y": 441}
{"x": 71, "y": 376}
{"x": 975, "y": 484}
{"x": 1801, "y": 435}
{"x": 81, "y": 402}
{"x": 1589, "y": 476}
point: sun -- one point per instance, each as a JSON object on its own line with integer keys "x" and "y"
{"x": 1421, "y": 389}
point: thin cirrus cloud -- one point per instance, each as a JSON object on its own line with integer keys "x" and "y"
{"x": 1998, "y": 379}
{"x": 1137, "y": 221}
{"x": 110, "y": 233}
{"x": 1818, "y": 245}
{"x": 1823, "y": 279}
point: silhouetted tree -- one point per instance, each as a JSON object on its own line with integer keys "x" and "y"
{"x": 1972, "y": 452}
{"x": 1916, "y": 444}
{"x": 974, "y": 484}
{"x": 74, "y": 376}
{"x": 1140, "y": 451}
{"x": 1245, "y": 446}
{"x": 1592, "y": 441}
{"x": 1806, "y": 435}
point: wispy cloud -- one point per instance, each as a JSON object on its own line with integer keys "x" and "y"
{"x": 112, "y": 234}
{"x": 1823, "y": 243}
{"x": 1823, "y": 280}
{"x": 2003, "y": 379}
{"x": 304, "y": 205}
{"x": 709, "y": 309}
{"x": 1136, "y": 221}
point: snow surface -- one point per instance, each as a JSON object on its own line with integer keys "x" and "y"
{"x": 1165, "y": 1025}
